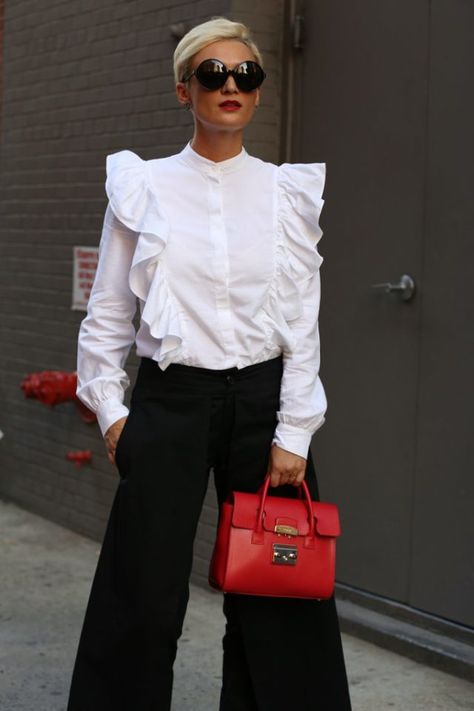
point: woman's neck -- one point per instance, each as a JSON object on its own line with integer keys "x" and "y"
{"x": 218, "y": 145}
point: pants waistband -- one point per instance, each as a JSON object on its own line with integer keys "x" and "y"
{"x": 149, "y": 366}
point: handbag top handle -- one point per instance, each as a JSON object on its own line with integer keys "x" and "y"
{"x": 263, "y": 491}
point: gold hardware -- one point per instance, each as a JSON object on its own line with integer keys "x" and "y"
{"x": 285, "y": 530}
{"x": 284, "y": 555}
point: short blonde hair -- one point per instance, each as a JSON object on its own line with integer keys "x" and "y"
{"x": 219, "y": 28}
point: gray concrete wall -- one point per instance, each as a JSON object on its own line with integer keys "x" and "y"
{"x": 83, "y": 78}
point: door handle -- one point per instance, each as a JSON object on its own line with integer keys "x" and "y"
{"x": 405, "y": 287}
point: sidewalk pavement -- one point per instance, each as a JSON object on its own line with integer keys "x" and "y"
{"x": 46, "y": 573}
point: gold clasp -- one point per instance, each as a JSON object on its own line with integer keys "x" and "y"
{"x": 285, "y": 530}
{"x": 284, "y": 555}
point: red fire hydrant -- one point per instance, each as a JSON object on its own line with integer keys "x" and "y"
{"x": 52, "y": 387}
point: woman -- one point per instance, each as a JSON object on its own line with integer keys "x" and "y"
{"x": 220, "y": 249}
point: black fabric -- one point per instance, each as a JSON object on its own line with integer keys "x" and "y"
{"x": 278, "y": 653}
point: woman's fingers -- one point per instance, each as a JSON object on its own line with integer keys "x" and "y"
{"x": 285, "y": 467}
{"x": 277, "y": 479}
{"x": 299, "y": 477}
{"x": 112, "y": 436}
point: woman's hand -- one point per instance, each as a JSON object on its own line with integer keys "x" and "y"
{"x": 111, "y": 438}
{"x": 285, "y": 467}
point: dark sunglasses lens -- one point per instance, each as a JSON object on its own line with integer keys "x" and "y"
{"x": 249, "y": 76}
{"x": 211, "y": 74}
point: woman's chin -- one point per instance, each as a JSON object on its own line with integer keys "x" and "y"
{"x": 224, "y": 122}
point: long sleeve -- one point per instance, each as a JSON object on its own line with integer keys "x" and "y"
{"x": 302, "y": 398}
{"x": 107, "y": 333}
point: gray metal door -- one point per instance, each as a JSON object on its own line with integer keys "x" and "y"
{"x": 442, "y": 564}
{"x": 370, "y": 100}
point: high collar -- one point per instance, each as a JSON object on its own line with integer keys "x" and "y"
{"x": 191, "y": 157}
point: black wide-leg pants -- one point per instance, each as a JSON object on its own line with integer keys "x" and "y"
{"x": 279, "y": 653}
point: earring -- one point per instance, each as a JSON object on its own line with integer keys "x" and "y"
{"x": 187, "y": 105}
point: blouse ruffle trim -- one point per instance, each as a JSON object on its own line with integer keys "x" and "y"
{"x": 299, "y": 189}
{"x": 135, "y": 205}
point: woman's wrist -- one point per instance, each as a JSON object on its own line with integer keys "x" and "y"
{"x": 109, "y": 412}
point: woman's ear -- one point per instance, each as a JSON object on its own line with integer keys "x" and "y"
{"x": 182, "y": 93}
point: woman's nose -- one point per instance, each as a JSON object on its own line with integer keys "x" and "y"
{"x": 230, "y": 84}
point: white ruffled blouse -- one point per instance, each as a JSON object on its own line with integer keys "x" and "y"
{"x": 223, "y": 259}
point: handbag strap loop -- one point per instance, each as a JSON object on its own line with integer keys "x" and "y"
{"x": 263, "y": 491}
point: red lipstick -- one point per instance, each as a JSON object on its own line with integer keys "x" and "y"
{"x": 230, "y": 105}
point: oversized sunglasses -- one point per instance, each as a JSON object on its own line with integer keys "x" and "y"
{"x": 212, "y": 74}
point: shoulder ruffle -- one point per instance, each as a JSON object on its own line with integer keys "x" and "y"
{"x": 136, "y": 205}
{"x": 299, "y": 189}
{"x": 299, "y": 193}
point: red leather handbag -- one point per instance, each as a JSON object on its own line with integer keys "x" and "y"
{"x": 275, "y": 546}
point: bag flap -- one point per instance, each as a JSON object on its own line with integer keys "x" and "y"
{"x": 245, "y": 509}
{"x": 327, "y": 519}
{"x": 286, "y": 512}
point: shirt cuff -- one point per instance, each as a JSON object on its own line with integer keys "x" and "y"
{"x": 109, "y": 412}
{"x": 293, "y": 439}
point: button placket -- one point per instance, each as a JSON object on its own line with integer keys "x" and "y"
{"x": 221, "y": 262}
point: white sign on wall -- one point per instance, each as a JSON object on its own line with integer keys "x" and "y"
{"x": 85, "y": 265}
